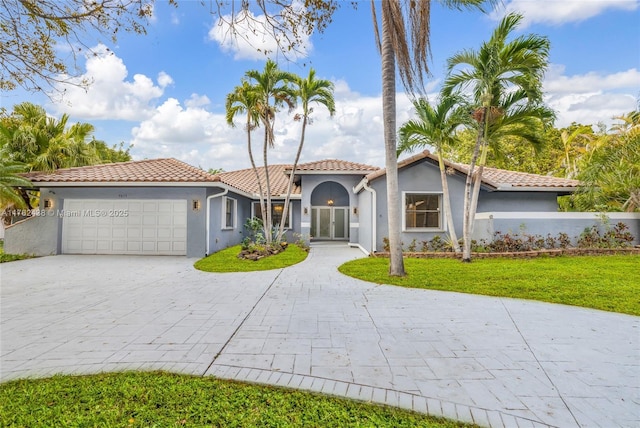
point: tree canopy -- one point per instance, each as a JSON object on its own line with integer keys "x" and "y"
{"x": 42, "y": 143}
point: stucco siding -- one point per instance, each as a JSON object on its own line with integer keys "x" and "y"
{"x": 195, "y": 217}
{"x": 517, "y": 201}
{"x": 312, "y": 182}
{"x": 36, "y": 236}
{"x": 553, "y": 223}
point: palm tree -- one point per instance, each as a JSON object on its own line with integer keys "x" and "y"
{"x": 436, "y": 127}
{"x": 404, "y": 41}
{"x": 272, "y": 92}
{"x": 244, "y": 99}
{"x": 505, "y": 79}
{"x": 610, "y": 173}
{"x": 308, "y": 90}
{"x": 571, "y": 139}
{"x": 9, "y": 181}
{"x": 44, "y": 143}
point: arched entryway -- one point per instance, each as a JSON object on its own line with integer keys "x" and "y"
{"x": 330, "y": 212}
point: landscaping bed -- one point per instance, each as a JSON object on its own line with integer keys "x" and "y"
{"x": 518, "y": 254}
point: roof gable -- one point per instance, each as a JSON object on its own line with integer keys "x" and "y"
{"x": 334, "y": 166}
{"x": 496, "y": 179}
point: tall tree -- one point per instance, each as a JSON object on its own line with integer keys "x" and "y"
{"x": 436, "y": 127}
{"x": 32, "y": 30}
{"x": 10, "y": 179}
{"x": 610, "y": 172}
{"x": 244, "y": 99}
{"x": 404, "y": 39}
{"x": 273, "y": 92}
{"x": 505, "y": 80}
{"x": 41, "y": 39}
{"x": 44, "y": 143}
{"x": 309, "y": 91}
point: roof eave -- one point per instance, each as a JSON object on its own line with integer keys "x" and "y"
{"x": 554, "y": 189}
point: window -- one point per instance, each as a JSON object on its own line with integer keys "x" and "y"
{"x": 422, "y": 211}
{"x": 229, "y": 206}
{"x": 277, "y": 209}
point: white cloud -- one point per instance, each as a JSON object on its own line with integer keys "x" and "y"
{"x": 592, "y": 97}
{"x": 252, "y": 37}
{"x": 191, "y": 133}
{"x": 110, "y": 95}
{"x": 561, "y": 12}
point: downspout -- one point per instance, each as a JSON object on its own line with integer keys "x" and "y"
{"x": 374, "y": 217}
{"x": 208, "y": 221}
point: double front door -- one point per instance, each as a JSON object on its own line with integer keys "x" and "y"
{"x": 330, "y": 222}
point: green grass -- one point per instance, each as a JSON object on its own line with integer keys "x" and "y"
{"x": 10, "y": 257}
{"x": 610, "y": 283}
{"x": 227, "y": 260}
{"x": 168, "y": 400}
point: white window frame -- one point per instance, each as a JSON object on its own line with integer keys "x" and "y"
{"x": 234, "y": 213}
{"x": 289, "y": 212}
{"x": 405, "y": 228}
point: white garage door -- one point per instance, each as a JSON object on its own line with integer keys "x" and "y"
{"x": 106, "y": 226}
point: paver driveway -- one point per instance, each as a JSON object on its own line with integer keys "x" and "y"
{"x": 498, "y": 362}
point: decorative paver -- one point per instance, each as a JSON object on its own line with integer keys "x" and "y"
{"x": 492, "y": 361}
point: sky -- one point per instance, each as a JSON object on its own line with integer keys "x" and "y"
{"x": 163, "y": 93}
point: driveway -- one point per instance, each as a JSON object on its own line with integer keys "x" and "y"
{"x": 494, "y": 361}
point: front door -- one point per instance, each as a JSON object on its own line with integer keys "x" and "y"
{"x": 330, "y": 223}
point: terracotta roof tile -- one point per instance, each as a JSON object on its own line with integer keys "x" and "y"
{"x": 493, "y": 177}
{"x": 145, "y": 171}
{"x": 245, "y": 180}
{"x": 335, "y": 165}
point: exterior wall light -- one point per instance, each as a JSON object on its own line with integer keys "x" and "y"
{"x": 330, "y": 202}
{"x": 48, "y": 204}
{"x": 195, "y": 204}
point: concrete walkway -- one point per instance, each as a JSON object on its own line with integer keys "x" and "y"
{"x": 496, "y": 362}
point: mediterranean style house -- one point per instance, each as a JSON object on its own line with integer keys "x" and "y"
{"x": 167, "y": 207}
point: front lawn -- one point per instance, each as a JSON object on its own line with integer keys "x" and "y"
{"x": 609, "y": 283}
{"x": 168, "y": 400}
{"x": 227, "y": 260}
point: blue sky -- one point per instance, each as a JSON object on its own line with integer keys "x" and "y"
{"x": 164, "y": 92}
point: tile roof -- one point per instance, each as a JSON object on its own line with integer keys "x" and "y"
{"x": 336, "y": 166}
{"x": 144, "y": 171}
{"x": 245, "y": 179}
{"x": 498, "y": 179}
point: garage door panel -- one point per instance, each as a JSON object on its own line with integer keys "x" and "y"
{"x": 147, "y": 227}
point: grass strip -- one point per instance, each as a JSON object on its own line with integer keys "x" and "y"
{"x": 142, "y": 399}
{"x": 609, "y": 283}
{"x": 227, "y": 260}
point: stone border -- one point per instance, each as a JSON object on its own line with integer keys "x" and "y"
{"x": 519, "y": 254}
{"x": 372, "y": 394}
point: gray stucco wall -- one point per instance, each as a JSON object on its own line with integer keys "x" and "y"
{"x": 195, "y": 218}
{"x": 425, "y": 177}
{"x": 544, "y": 223}
{"x": 348, "y": 182}
{"x": 36, "y": 236}
{"x": 221, "y": 238}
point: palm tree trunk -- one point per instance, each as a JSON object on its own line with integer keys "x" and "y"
{"x": 476, "y": 186}
{"x": 255, "y": 171}
{"x": 285, "y": 211}
{"x": 267, "y": 223}
{"x": 396, "y": 263}
{"x": 447, "y": 204}
{"x": 466, "y": 223}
